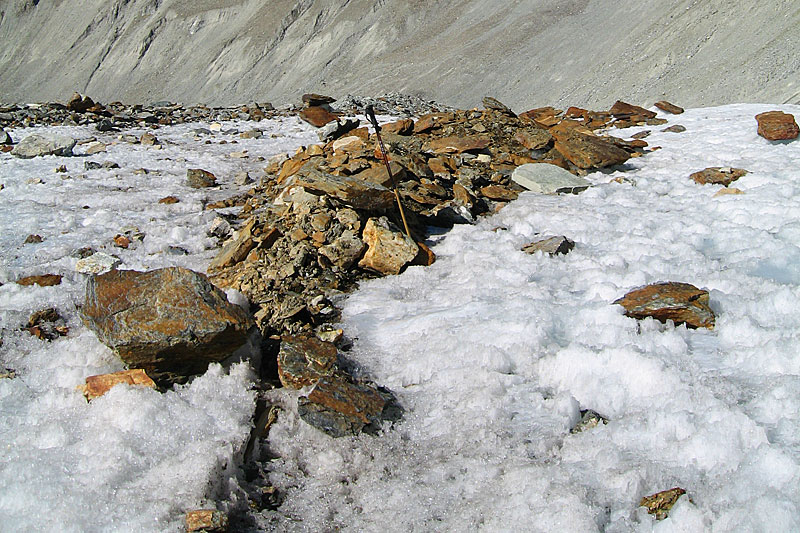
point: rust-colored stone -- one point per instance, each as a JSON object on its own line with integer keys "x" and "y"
{"x": 303, "y": 361}
{"x": 777, "y": 126}
{"x": 498, "y": 192}
{"x": 663, "y": 105}
{"x": 206, "y": 521}
{"x": 586, "y": 151}
{"x": 45, "y": 280}
{"x": 680, "y": 302}
{"x": 97, "y": 386}
{"x": 340, "y": 408}
{"x": 400, "y": 127}
{"x": 168, "y": 200}
{"x": 660, "y": 503}
{"x": 389, "y": 250}
{"x": 317, "y": 116}
{"x": 718, "y": 175}
{"x": 430, "y": 121}
{"x": 623, "y": 109}
{"x": 352, "y": 191}
{"x": 121, "y": 241}
{"x": 533, "y": 140}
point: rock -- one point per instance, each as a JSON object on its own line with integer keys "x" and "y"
{"x": 46, "y": 280}
{"x": 97, "y": 386}
{"x": 533, "y": 139}
{"x": 235, "y": 250}
{"x": 148, "y": 139}
{"x": 7, "y": 373}
{"x": 550, "y": 245}
{"x": 680, "y": 302}
{"x": 378, "y": 174}
{"x": 251, "y": 134}
{"x": 496, "y": 105}
{"x": 334, "y": 130}
{"x": 5, "y": 138}
{"x": 545, "y": 178}
{"x": 170, "y": 322}
{"x": 660, "y": 503}
{"x": 344, "y": 251}
{"x": 95, "y": 147}
{"x": 169, "y": 200}
{"x": 97, "y": 263}
{"x": 388, "y": 249}
{"x": 207, "y": 521}
{"x": 499, "y": 193}
{"x": 303, "y": 361}
{"x": 728, "y": 191}
{"x": 80, "y": 103}
{"x": 718, "y": 175}
{"x": 774, "y": 126}
{"x": 33, "y": 239}
{"x": 589, "y": 420}
{"x": 677, "y": 128}
{"x": 197, "y": 178}
{"x": 347, "y": 189}
{"x": 351, "y": 143}
{"x": 341, "y": 408}
{"x": 242, "y": 178}
{"x": 44, "y": 144}
{"x": 669, "y": 108}
{"x": 621, "y": 108}
{"x": 105, "y": 125}
{"x": 400, "y": 127}
{"x": 317, "y": 116}
{"x": 456, "y": 144}
{"x": 585, "y": 150}
{"x": 46, "y": 324}
{"x": 315, "y": 100}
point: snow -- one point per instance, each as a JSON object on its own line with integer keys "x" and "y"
{"x": 491, "y": 352}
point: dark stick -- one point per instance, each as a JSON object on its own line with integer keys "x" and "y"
{"x": 371, "y": 115}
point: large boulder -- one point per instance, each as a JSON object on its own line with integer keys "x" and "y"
{"x": 171, "y": 322}
{"x": 38, "y": 145}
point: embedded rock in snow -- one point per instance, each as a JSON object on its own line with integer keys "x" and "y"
{"x": 45, "y": 280}
{"x": 545, "y": 178}
{"x": 718, "y": 175}
{"x": 44, "y": 144}
{"x": 170, "y": 322}
{"x": 5, "y": 138}
{"x": 317, "y": 116}
{"x": 97, "y": 263}
{"x": 348, "y": 190}
{"x": 668, "y": 107}
{"x": 677, "y": 128}
{"x": 389, "y": 250}
{"x": 206, "y": 521}
{"x": 303, "y": 361}
{"x": 550, "y": 245}
{"x": 340, "y": 408}
{"x": 80, "y": 103}
{"x": 585, "y": 150}
{"x": 344, "y": 251}
{"x": 589, "y": 420}
{"x": 98, "y": 385}
{"x": 776, "y": 126}
{"x": 197, "y": 178}
{"x": 46, "y": 324}
{"x": 680, "y": 302}
{"x": 148, "y": 139}
{"x": 660, "y": 503}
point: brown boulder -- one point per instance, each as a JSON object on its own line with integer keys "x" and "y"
{"x": 585, "y": 150}
{"x": 340, "y": 408}
{"x": 316, "y": 100}
{"x": 400, "y": 127}
{"x": 533, "y": 140}
{"x": 197, "y": 178}
{"x": 680, "y": 302}
{"x": 317, "y": 116}
{"x": 45, "y": 280}
{"x": 777, "y": 126}
{"x": 206, "y": 521}
{"x": 623, "y": 109}
{"x": 80, "y": 103}
{"x": 718, "y": 175}
{"x": 170, "y": 322}
{"x": 663, "y": 105}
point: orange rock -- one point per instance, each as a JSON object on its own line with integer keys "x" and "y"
{"x": 680, "y": 302}
{"x": 46, "y": 280}
{"x": 669, "y": 108}
{"x": 425, "y": 257}
{"x": 400, "y": 127}
{"x": 98, "y": 385}
{"x": 777, "y": 126}
{"x": 122, "y": 241}
{"x": 206, "y": 520}
{"x": 169, "y": 200}
{"x": 718, "y": 175}
{"x": 317, "y": 116}
{"x": 498, "y": 192}
{"x": 622, "y": 109}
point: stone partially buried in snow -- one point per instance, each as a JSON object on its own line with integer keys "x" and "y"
{"x": 341, "y": 408}
{"x": 197, "y": 178}
{"x": 662, "y": 502}
{"x": 718, "y": 175}
{"x": 553, "y": 245}
{"x": 545, "y": 178}
{"x": 47, "y": 144}
{"x": 680, "y": 302}
{"x": 170, "y": 322}
{"x": 776, "y": 126}
{"x": 389, "y": 249}
{"x": 97, "y": 263}
{"x": 97, "y": 386}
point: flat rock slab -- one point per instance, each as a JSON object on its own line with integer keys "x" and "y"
{"x": 44, "y": 280}
{"x": 197, "y": 178}
{"x": 340, "y": 408}
{"x": 718, "y": 175}
{"x": 351, "y": 191}
{"x": 457, "y": 145}
{"x": 39, "y": 145}
{"x": 303, "y": 361}
{"x": 317, "y": 116}
{"x": 553, "y": 245}
{"x": 586, "y": 151}
{"x": 171, "y": 322}
{"x": 776, "y": 126}
{"x": 663, "y": 105}
{"x": 97, "y": 386}
{"x": 680, "y": 302}
{"x": 545, "y": 178}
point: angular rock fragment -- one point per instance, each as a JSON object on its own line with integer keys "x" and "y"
{"x": 585, "y": 150}
{"x": 400, "y": 127}
{"x": 170, "y": 322}
{"x": 317, "y": 116}
{"x": 621, "y": 108}
{"x": 314, "y": 99}
{"x": 80, "y": 103}
{"x": 98, "y": 385}
{"x": 553, "y": 245}
{"x": 545, "y": 178}
{"x": 46, "y": 324}
{"x": 677, "y": 128}
{"x": 660, "y": 503}
{"x": 197, "y": 178}
{"x": 45, "y": 280}
{"x": 774, "y": 126}
{"x": 668, "y": 107}
{"x": 680, "y": 302}
{"x": 589, "y": 420}
{"x": 206, "y": 521}
{"x": 236, "y": 250}
{"x": 533, "y": 139}
{"x": 350, "y": 191}
{"x": 498, "y": 192}
{"x": 389, "y": 250}
{"x": 340, "y": 407}
{"x": 718, "y": 175}
{"x": 97, "y": 263}
{"x": 344, "y": 251}
{"x": 37, "y": 145}
{"x": 303, "y": 361}
{"x": 496, "y": 105}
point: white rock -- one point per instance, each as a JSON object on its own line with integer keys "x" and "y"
{"x": 545, "y": 178}
{"x": 38, "y": 145}
{"x": 97, "y": 263}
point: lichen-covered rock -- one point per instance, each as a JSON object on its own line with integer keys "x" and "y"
{"x": 170, "y": 322}
{"x": 680, "y": 302}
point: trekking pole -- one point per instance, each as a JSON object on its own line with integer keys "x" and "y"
{"x": 371, "y": 115}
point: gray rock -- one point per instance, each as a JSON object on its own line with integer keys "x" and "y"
{"x": 303, "y": 361}
{"x": 97, "y": 263}
{"x": 5, "y": 138}
{"x": 340, "y": 407}
{"x": 170, "y": 322}
{"x": 349, "y": 190}
{"x": 553, "y": 245}
{"x": 334, "y": 130}
{"x": 545, "y": 178}
{"x": 44, "y": 144}
{"x": 344, "y": 251}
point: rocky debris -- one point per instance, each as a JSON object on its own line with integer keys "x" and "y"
{"x": 391, "y": 104}
{"x": 496, "y": 105}
{"x": 660, "y": 503}
{"x": 236, "y": 249}
{"x": 350, "y": 191}
{"x": 207, "y": 521}
{"x": 775, "y": 126}
{"x": 552, "y": 245}
{"x": 197, "y": 178}
{"x": 388, "y": 249}
{"x": 44, "y": 280}
{"x": 46, "y": 324}
{"x": 680, "y": 302}
{"x": 169, "y": 200}
{"x": 585, "y": 150}
{"x": 317, "y": 100}
{"x": 545, "y": 178}
{"x": 97, "y": 263}
{"x": 37, "y": 145}
{"x": 98, "y": 385}
{"x": 170, "y": 322}
{"x": 718, "y": 175}
{"x": 7, "y": 373}
{"x": 668, "y": 107}
{"x": 80, "y": 103}
{"x": 589, "y": 420}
